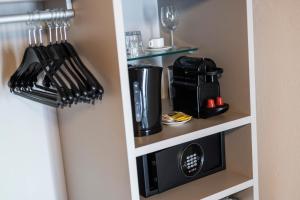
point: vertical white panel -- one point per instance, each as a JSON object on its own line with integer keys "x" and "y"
{"x": 30, "y": 157}
{"x": 253, "y": 97}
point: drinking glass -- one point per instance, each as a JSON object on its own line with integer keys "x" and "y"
{"x": 134, "y": 43}
{"x": 169, "y": 20}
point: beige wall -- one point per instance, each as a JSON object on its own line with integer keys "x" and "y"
{"x": 93, "y": 137}
{"x": 277, "y": 45}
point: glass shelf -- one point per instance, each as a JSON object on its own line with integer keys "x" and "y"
{"x": 148, "y": 54}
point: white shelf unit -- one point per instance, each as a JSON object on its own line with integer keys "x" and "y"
{"x": 223, "y": 31}
{"x": 235, "y": 54}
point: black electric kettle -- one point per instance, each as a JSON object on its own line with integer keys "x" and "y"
{"x": 145, "y": 88}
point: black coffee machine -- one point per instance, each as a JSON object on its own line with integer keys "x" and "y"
{"x": 195, "y": 87}
{"x": 145, "y": 88}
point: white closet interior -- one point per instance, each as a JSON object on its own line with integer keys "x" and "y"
{"x": 31, "y": 160}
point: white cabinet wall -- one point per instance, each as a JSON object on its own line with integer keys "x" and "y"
{"x": 138, "y": 15}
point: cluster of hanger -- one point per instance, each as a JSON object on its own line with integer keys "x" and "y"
{"x": 54, "y": 75}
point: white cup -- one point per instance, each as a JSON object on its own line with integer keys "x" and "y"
{"x": 156, "y": 43}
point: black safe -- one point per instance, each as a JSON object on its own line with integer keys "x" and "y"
{"x": 194, "y": 82}
{"x": 166, "y": 169}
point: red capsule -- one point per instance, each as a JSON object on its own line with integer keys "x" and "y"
{"x": 219, "y": 101}
{"x": 211, "y": 103}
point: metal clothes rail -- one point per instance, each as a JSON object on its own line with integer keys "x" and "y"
{"x": 40, "y": 16}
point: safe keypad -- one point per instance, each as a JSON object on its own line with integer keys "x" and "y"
{"x": 192, "y": 160}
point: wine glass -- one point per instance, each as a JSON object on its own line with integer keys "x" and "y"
{"x": 169, "y": 20}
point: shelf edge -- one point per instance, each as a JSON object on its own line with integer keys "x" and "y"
{"x": 230, "y": 191}
{"x": 192, "y": 49}
{"x": 139, "y": 151}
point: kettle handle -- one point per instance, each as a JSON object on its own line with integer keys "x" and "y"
{"x": 138, "y": 101}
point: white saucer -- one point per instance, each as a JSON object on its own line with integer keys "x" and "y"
{"x": 166, "y": 48}
{"x": 175, "y": 123}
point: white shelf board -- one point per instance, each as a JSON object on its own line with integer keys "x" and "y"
{"x": 213, "y": 187}
{"x": 195, "y": 129}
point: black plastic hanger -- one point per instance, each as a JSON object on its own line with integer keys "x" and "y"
{"x": 54, "y": 75}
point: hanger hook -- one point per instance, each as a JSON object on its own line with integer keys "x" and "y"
{"x": 61, "y": 25}
{"x": 49, "y": 24}
{"x": 29, "y": 29}
{"x": 34, "y": 28}
{"x": 40, "y": 28}
{"x": 56, "y": 25}
{"x": 65, "y": 25}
